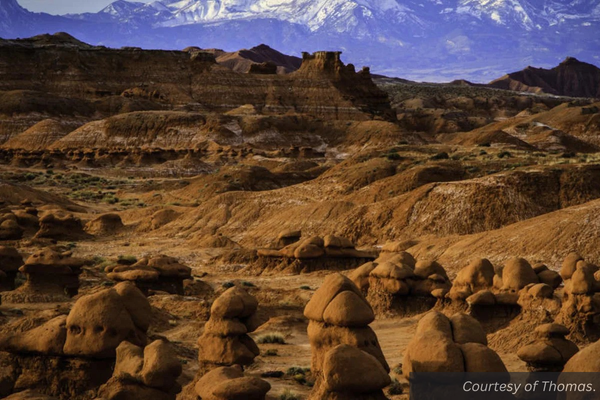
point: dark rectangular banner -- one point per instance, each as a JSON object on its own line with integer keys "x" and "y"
{"x": 505, "y": 386}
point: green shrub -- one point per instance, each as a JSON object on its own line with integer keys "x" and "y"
{"x": 271, "y": 338}
{"x": 289, "y": 395}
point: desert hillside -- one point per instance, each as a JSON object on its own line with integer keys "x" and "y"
{"x": 202, "y": 224}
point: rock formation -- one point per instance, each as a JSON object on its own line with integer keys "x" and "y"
{"x": 225, "y": 340}
{"x": 229, "y": 383}
{"x": 550, "y": 351}
{"x": 310, "y": 254}
{"x": 106, "y": 224}
{"x": 159, "y": 272}
{"x": 69, "y": 356}
{"x": 51, "y": 276}
{"x": 394, "y": 280}
{"x": 66, "y": 227}
{"x": 321, "y": 85}
{"x": 346, "y": 357}
{"x": 455, "y": 344}
{"x": 9, "y": 227}
{"x": 580, "y": 310}
{"x": 10, "y": 261}
{"x": 144, "y": 373}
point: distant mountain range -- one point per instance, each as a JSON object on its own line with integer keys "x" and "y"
{"x": 435, "y": 40}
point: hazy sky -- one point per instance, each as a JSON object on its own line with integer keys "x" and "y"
{"x": 67, "y": 6}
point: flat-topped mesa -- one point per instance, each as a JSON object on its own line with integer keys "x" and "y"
{"x": 357, "y": 88}
{"x": 323, "y": 87}
{"x": 346, "y": 356}
{"x": 51, "y": 276}
{"x": 69, "y": 355}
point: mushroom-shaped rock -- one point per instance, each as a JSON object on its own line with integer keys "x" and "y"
{"x": 339, "y": 315}
{"x": 229, "y": 383}
{"x": 516, "y": 274}
{"x": 225, "y": 341}
{"x": 159, "y": 272}
{"x": 51, "y": 276}
{"x": 550, "y": 350}
{"x": 569, "y": 265}
{"x": 67, "y": 227}
{"x": 99, "y": 322}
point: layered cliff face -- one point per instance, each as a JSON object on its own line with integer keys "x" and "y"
{"x": 63, "y": 66}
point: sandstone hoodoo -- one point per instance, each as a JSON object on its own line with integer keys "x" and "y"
{"x": 229, "y": 383}
{"x": 144, "y": 373}
{"x": 346, "y": 357}
{"x": 550, "y": 351}
{"x": 225, "y": 341}
{"x": 310, "y": 254}
{"x": 65, "y": 227}
{"x": 160, "y": 273}
{"x": 50, "y": 276}
{"x": 10, "y": 262}
{"x": 455, "y": 344}
{"x": 396, "y": 281}
{"x": 580, "y": 310}
{"x": 78, "y": 350}
{"x": 481, "y": 285}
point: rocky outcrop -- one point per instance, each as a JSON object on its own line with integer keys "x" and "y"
{"x": 70, "y": 356}
{"x": 580, "y": 311}
{"x": 310, "y": 254}
{"x": 161, "y": 272}
{"x": 346, "y": 356}
{"x": 455, "y": 344}
{"x": 322, "y": 86}
{"x": 61, "y": 227}
{"x": 397, "y": 281}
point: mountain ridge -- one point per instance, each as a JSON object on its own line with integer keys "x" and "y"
{"x": 434, "y": 40}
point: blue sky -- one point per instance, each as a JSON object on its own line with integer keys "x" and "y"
{"x": 67, "y": 6}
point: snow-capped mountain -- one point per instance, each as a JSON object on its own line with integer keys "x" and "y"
{"x": 418, "y": 39}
